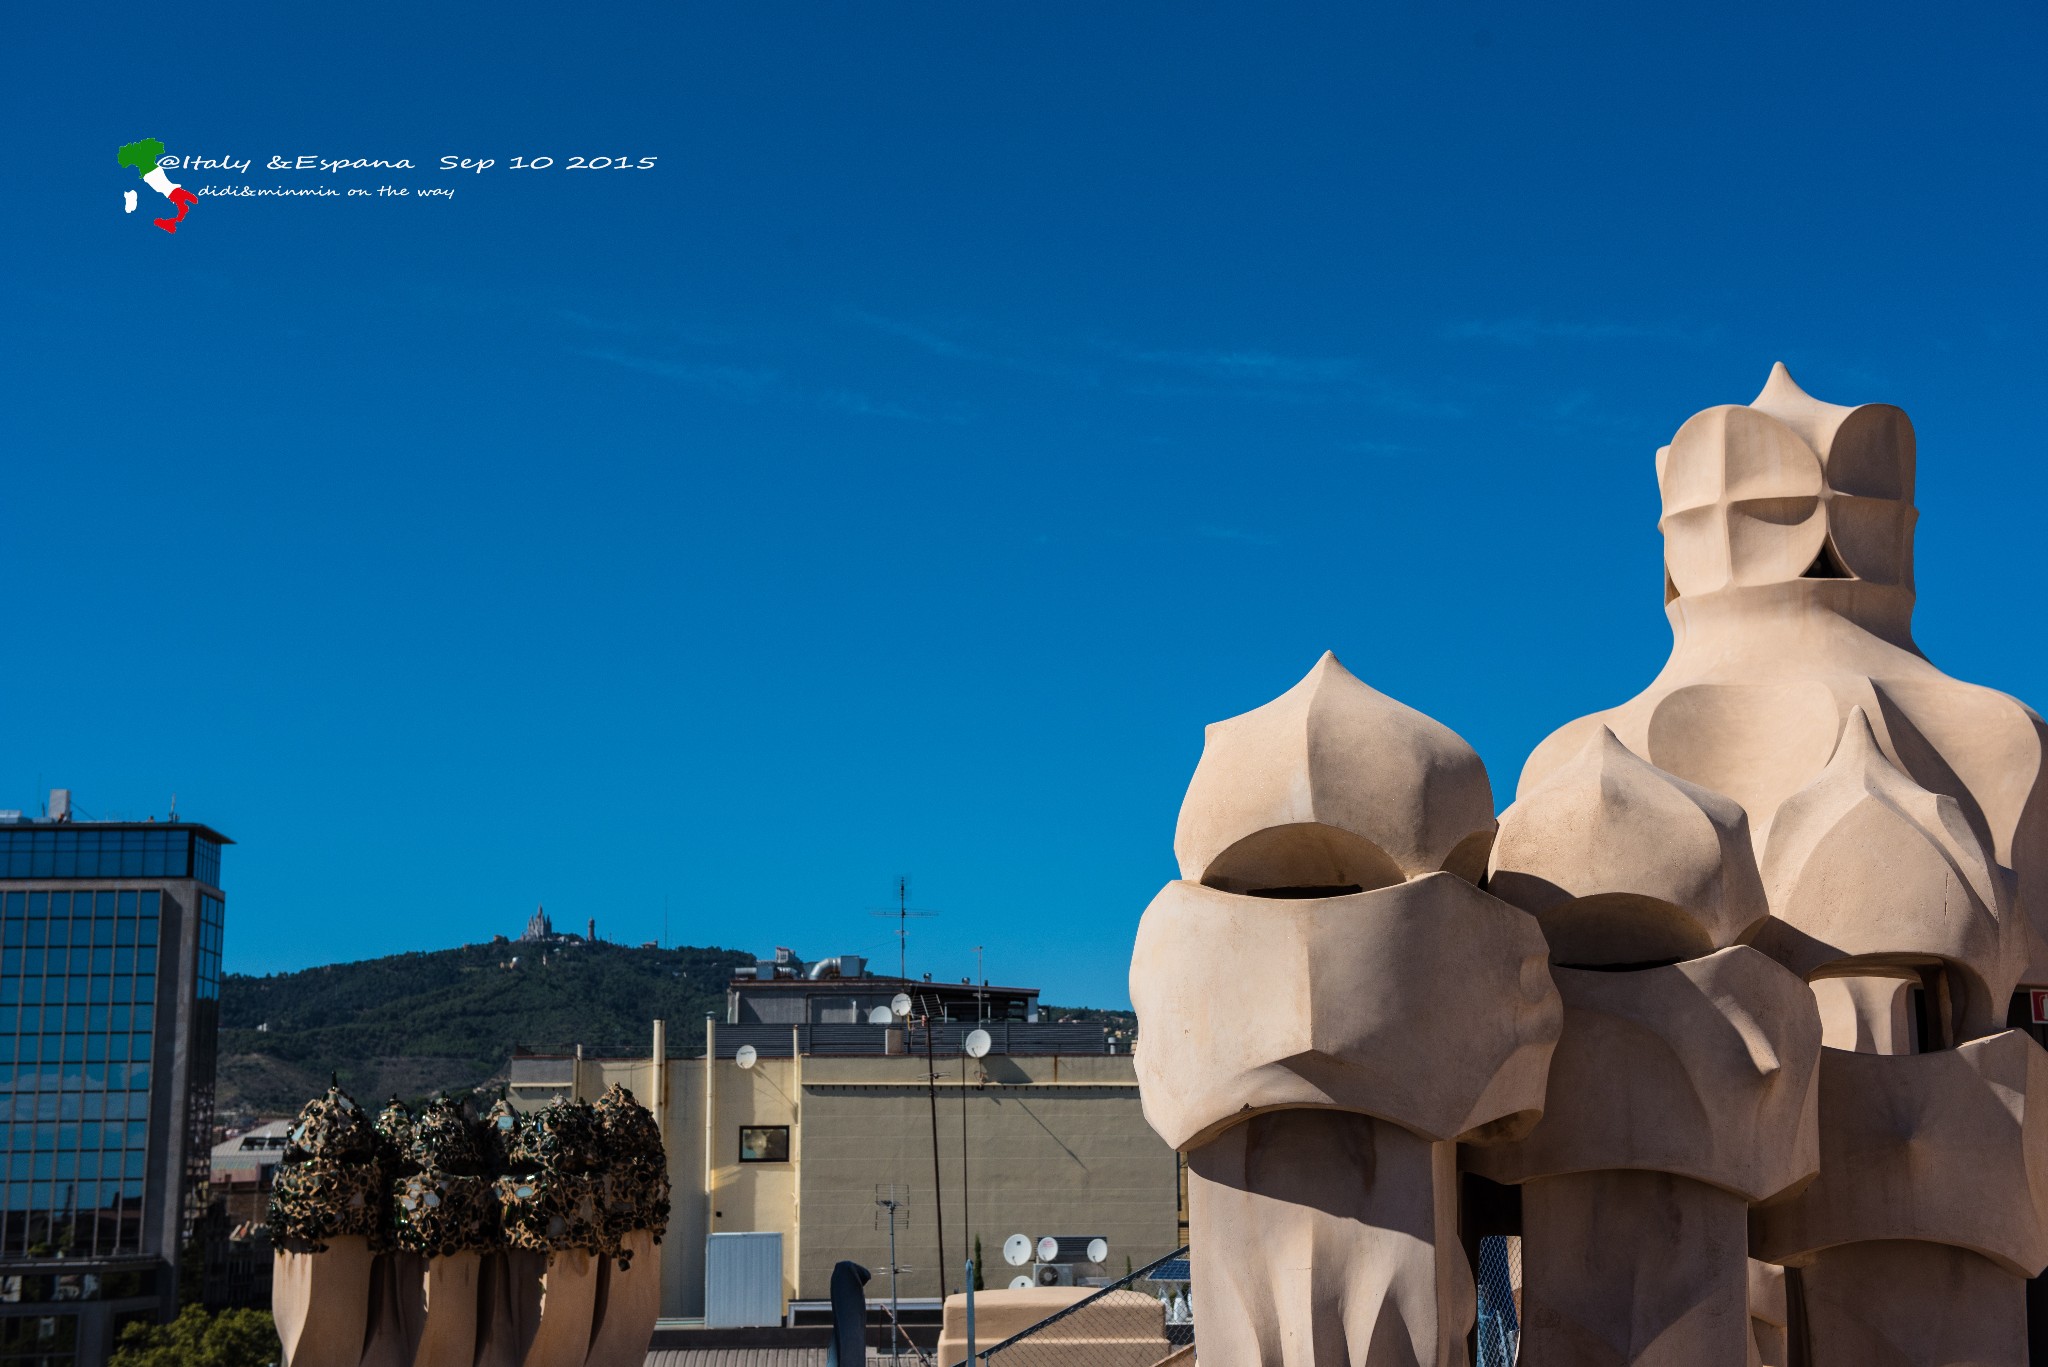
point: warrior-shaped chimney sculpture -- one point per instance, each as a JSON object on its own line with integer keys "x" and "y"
{"x": 1785, "y": 896}
{"x": 1328, "y": 1004}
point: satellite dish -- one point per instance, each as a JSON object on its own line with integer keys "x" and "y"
{"x": 900, "y": 1004}
{"x": 1098, "y": 1250}
{"x": 1021, "y": 1283}
{"x": 1017, "y": 1250}
{"x": 977, "y": 1044}
{"x": 881, "y": 1015}
{"x": 747, "y": 1056}
{"x": 1048, "y": 1249}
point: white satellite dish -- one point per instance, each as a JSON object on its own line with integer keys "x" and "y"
{"x": 1017, "y": 1250}
{"x": 977, "y": 1044}
{"x": 900, "y": 1004}
{"x": 1098, "y": 1250}
{"x": 746, "y": 1056}
{"x": 1021, "y": 1283}
{"x": 881, "y": 1015}
{"x": 1048, "y": 1249}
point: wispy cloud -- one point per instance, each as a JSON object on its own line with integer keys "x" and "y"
{"x": 917, "y": 334}
{"x": 736, "y": 381}
{"x": 867, "y": 406}
{"x": 1273, "y": 377}
{"x": 952, "y": 343}
{"x": 1530, "y": 331}
{"x": 768, "y": 386}
{"x": 687, "y": 330}
{"x": 585, "y": 322}
{"x": 1263, "y": 367}
{"x": 1251, "y": 374}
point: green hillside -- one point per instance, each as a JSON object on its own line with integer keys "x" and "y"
{"x": 447, "y": 1019}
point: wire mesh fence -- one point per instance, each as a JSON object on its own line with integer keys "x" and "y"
{"x": 1147, "y": 1319}
{"x": 1499, "y": 1330}
{"x": 1142, "y": 1319}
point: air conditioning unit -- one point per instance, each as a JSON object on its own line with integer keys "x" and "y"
{"x": 1052, "y": 1274}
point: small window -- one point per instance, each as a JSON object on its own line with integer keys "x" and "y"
{"x": 764, "y": 1143}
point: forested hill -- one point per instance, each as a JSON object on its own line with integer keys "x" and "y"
{"x": 447, "y": 1019}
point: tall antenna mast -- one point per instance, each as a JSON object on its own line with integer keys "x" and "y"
{"x": 902, "y": 912}
{"x": 903, "y": 925}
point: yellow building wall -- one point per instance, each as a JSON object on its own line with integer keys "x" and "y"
{"x": 1053, "y": 1146}
{"x": 755, "y": 1196}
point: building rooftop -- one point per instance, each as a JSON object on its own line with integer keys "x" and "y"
{"x": 110, "y": 849}
{"x": 267, "y": 1138}
{"x": 240, "y": 1160}
{"x": 876, "y": 983}
{"x": 60, "y": 815}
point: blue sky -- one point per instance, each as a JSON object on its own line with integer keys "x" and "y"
{"x": 974, "y": 401}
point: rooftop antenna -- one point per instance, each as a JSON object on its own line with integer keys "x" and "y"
{"x": 892, "y": 1198}
{"x": 902, "y": 911}
{"x": 174, "y": 806}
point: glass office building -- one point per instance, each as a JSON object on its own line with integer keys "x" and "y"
{"x": 110, "y": 943}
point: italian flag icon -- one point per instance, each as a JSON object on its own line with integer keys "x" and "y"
{"x": 143, "y": 156}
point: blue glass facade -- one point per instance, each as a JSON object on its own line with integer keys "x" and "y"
{"x": 110, "y": 969}
{"x": 78, "y": 981}
{"x": 130, "y": 852}
{"x": 205, "y": 1051}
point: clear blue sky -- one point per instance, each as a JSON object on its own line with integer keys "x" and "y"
{"x": 976, "y": 400}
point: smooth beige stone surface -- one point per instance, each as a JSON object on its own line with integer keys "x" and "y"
{"x": 557, "y": 1300}
{"x": 1641, "y": 1269}
{"x": 1428, "y": 1003}
{"x": 1767, "y": 1293}
{"x": 1743, "y": 501}
{"x": 394, "y": 1314}
{"x": 1768, "y": 1315}
{"x": 1868, "y": 1013}
{"x": 503, "y": 1317}
{"x": 1332, "y": 784}
{"x": 536, "y": 1309}
{"x": 321, "y": 1303}
{"x": 1123, "y": 1326}
{"x": 1321, "y": 1239}
{"x": 999, "y": 1313}
{"x": 1913, "y": 1305}
{"x": 1705, "y": 1068}
{"x": 627, "y": 1304}
{"x": 1768, "y": 661}
{"x": 450, "y": 1291}
{"x": 1865, "y": 862}
{"x": 1797, "y": 754}
{"x": 1623, "y": 863}
{"x": 1948, "y": 1147}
